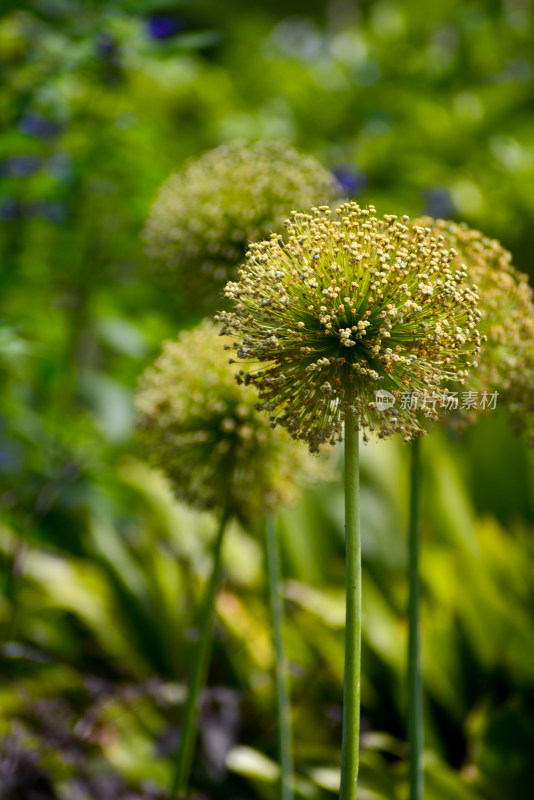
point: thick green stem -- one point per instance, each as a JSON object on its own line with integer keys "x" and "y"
{"x": 415, "y": 706}
{"x": 199, "y": 674}
{"x": 353, "y": 624}
{"x": 282, "y": 671}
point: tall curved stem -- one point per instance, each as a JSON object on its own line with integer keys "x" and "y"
{"x": 199, "y": 674}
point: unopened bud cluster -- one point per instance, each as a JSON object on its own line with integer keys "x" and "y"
{"x": 204, "y": 215}
{"x": 203, "y": 431}
{"x": 350, "y": 301}
{"x": 506, "y": 362}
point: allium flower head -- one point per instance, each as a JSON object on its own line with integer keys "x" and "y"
{"x": 205, "y": 215}
{"x": 353, "y": 301}
{"x": 506, "y": 362}
{"x": 204, "y": 432}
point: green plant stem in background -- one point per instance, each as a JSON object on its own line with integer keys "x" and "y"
{"x": 282, "y": 671}
{"x": 199, "y": 674}
{"x": 353, "y": 623}
{"x": 415, "y": 706}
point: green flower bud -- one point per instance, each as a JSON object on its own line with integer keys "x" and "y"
{"x": 506, "y": 362}
{"x": 204, "y": 432}
{"x": 204, "y": 215}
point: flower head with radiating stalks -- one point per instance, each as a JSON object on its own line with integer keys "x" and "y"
{"x": 205, "y": 215}
{"x": 506, "y": 362}
{"x": 351, "y": 301}
{"x": 204, "y": 432}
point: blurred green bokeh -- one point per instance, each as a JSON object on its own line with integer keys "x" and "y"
{"x": 418, "y": 109}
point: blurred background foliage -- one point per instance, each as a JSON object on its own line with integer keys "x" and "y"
{"x": 417, "y": 108}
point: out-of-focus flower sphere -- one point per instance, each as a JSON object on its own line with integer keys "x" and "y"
{"x": 506, "y": 363}
{"x": 204, "y": 432}
{"x": 351, "y": 301}
{"x": 205, "y": 215}
{"x": 34, "y": 124}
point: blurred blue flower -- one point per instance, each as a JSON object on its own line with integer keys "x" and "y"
{"x": 20, "y": 166}
{"x": 33, "y": 124}
{"x": 9, "y": 207}
{"x": 439, "y": 203}
{"x": 352, "y": 181}
{"x": 162, "y": 26}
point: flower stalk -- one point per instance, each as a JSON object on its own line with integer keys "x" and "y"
{"x": 353, "y": 624}
{"x": 415, "y": 706}
{"x": 282, "y": 667}
{"x": 199, "y": 674}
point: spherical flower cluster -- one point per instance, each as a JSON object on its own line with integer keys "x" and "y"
{"x": 349, "y": 305}
{"x": 204, "y": 432}
{"x": 205, "y": 215}
{"x": 506, "y": 363}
